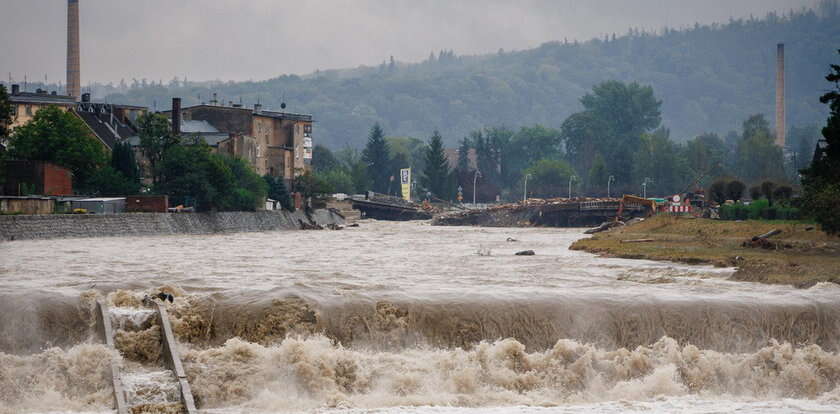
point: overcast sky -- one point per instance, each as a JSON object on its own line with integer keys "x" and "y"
{"x": 260, "y": 39}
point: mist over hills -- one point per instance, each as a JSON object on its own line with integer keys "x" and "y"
{"x": 709, "y": 77}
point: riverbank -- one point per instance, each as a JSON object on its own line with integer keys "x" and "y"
{"x": 804, "y": 257}
{"x": 61, "y": 226}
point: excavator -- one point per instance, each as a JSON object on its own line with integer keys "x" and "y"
{"x": 631, "y": 200}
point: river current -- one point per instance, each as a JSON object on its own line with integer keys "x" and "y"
{"x": 410, "y": 318}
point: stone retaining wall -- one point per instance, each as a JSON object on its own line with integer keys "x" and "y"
{"x": 23, "y": 227}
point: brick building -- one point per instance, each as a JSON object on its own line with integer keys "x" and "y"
{"x": 36, "y": 177}
{"x": 278, "y": 144}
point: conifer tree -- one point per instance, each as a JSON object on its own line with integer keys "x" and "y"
{"x": 378, "y": 159}
{"x": 436, "y": 174}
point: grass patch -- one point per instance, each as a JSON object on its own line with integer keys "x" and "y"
{"x": 806, "y": 256}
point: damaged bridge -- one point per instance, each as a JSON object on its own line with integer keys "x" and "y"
{"x": 576, "y": 212}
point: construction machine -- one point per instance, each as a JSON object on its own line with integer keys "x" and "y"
{"x": 635, "y": 201}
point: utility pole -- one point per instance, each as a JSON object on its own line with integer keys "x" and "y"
{"x": 609, "y": 181}
{"x": 525, "y": 192}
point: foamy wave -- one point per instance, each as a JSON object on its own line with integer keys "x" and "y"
{"x": 301, "y": 374}
{"x": 76, "y": 379}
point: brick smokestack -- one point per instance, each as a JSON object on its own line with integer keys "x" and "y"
{"x": 780, "y": 95}
{"x": 74, "y": 81}
{"x": 176, "y": 116}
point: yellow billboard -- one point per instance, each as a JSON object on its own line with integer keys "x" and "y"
{"x": 405, "y": 183}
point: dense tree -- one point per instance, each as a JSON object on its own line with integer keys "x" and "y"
{"x": 768, "y": 189}
{"x": 276, "y": 190}
{"x": 436, "y": 175}
{"x": 5, "y": 121}
{"x": 615, "y": 117}
{"x": 5, "y": 114}
{"x": 323, "y": 159}
{"x": 156, "y": 139}
{"x": 338, "y": 180}
{"x": 596, "y": 182}
{"x": 758, "y": 156}
{"x": 356, "y": 168}
{"x": 123, "y": 161}
{"x": 821, "y": 181}
{"x": 378, "y": 160}
{"x": 193, "y": 175}
{"x": 311, "y": 184}
{"x": 463, "y": 156}
{"x": 59, "y": 137}
{"x": 658, "y": 158}
{"x": 718, "y": 191}
{"x": 549, "y": 178}
{"x": 109, "y": 181}
{"x": 735, "y": 190}
{"x": 706, "y": 156}
{"x": 801, "y": 142}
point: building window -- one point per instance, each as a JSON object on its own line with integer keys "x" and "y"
{"x": 307, "y": 128}
{"x": 14, "y": 110}
{"x": 28, "y": 110}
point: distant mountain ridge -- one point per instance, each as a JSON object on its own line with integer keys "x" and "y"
{"x": 709, "y": 77}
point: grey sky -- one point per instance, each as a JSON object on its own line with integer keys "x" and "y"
{"x": 259, "y": 39}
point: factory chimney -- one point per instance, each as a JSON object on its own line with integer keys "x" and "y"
{"x": 780, "y": 95}
{"x": 74, "y": 81}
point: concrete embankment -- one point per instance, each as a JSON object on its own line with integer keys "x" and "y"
{"x": 28, "y": 227}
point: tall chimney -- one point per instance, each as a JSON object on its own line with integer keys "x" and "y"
{"x": 780, "y": 95}
{"x": 74, "y": 81}
{"x": 176, "y": 116}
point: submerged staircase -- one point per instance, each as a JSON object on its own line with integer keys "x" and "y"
{"x": 143, "y": 387}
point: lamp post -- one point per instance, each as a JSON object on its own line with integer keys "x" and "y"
{"x": 525, "y": 192}
{"x": 572, "y": 178}
{"x": 475, "y": 181}
{"x": 610, "y": 181}
{"x": 647, "y": 181}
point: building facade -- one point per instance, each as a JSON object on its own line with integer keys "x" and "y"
{"x": 278, "y": 144}
{"x": 26, "y": 104}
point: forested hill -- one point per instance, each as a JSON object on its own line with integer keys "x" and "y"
{"x": 710, "y": 78}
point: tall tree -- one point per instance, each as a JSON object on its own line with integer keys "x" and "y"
{"x": 122, "y": 160}
{"x": 5, "y": 114}
{"x": 59, "y": 137}
{"x": 276, "y": 190}
{"x": 706, "y": 156}
{"x": 156, "y": 139}
{"x": 658, "y": 158}
{"x": 758, "y": 156}
{"x": 323, "y": 159}
{"x": 549, "y": 178}
{"x": 615, "y": 116}
{"x": 436, "y": 174}
{"x": 464, "y": 156}
{"x": 821, "y": 180}
{"x": 597, "y": 180}
{"x": 376, "y": 156}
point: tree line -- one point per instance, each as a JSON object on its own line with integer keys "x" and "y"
{"x": 616, "y": 144}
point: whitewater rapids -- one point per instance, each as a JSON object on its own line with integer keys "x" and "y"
{"x": 410, "y": 318}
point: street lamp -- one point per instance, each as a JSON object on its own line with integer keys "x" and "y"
{"x": 525, "y": 192}
{"x": 610, "y": 181}
{"x": 647, "y": 181}
{"x": 572, "y": 178}
{"x": 475, "y": 181}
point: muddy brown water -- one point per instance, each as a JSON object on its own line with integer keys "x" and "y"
{"x": 389, "y": 316}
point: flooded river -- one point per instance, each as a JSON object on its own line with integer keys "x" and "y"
{"x": 410, "y": 318}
